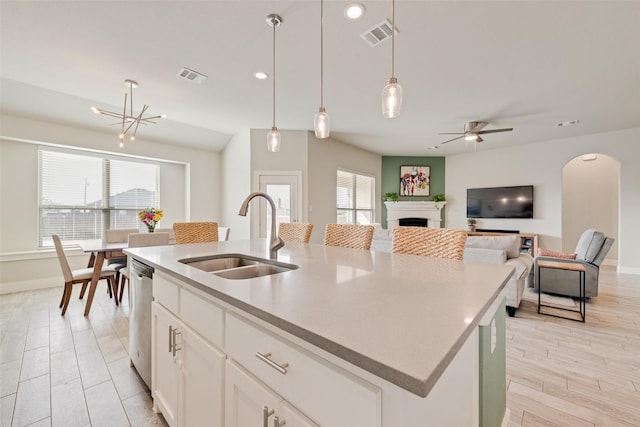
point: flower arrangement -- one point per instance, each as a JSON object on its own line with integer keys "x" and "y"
{"x": 150, "y": 217}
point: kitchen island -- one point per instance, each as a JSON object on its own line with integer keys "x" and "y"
{"x": 349, "y": 337}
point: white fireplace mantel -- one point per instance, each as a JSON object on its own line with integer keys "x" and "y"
{"x": 428, "y": 210}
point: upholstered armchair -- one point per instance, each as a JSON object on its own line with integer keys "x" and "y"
{"x": 591, "y": 250}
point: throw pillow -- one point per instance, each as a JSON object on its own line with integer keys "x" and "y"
{"x": 554, "y": 254}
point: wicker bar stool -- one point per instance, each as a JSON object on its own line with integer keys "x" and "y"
{"x": 349, "y": 236}
{"x": 434, "y": 242}
{"x": 295, "y": 232}
{"x": 195, "y": 232}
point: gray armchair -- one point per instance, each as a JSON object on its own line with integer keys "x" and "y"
{"x": 591, "y": 250}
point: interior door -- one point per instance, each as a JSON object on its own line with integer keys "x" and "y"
{"x": 285, "y": 190}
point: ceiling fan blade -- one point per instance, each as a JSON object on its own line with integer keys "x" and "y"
{"x": 495, "y": 130}
{"x": 479, "y": 139}
{"x": 452, "y": 139}
{"x": 475, "y": 126}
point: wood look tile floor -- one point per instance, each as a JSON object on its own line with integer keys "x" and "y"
{"x": 74, "y": 371}
{"x": 68, "y": 371}
{"x": 566, "y": 373}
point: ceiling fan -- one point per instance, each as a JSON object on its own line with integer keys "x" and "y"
{"x": 472, "y": 132}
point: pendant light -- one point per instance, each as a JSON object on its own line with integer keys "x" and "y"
{"x": 273, "y": 137}
{"x": 392, "y": 93}
{"x": 321, "y": 120}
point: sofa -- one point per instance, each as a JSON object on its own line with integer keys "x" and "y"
{"x": 486, "y": 249}
{"x": 503, "y": 250}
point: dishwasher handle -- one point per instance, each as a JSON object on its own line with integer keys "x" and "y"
{"x": 141, "y": 269}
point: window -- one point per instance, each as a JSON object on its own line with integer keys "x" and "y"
{"x": 81, "y": 195}
{"x": 355, "y": 198}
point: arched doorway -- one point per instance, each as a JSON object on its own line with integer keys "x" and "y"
{"x": 590, "y": 192}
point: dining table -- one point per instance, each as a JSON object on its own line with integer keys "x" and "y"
{"x": 99, "y": 252}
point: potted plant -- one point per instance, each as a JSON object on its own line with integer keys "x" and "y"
{"x": 471, "y": 222}
{"x": 391, "y": 197}
{"x": 439, "y": 198}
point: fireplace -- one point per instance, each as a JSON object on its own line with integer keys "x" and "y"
{"x": 413, "y": 222}
{"x": 429, "y": 211}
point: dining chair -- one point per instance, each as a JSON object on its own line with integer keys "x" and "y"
{"x": 195, "y": 232}
{"x": 223, "y": 234}
{"x": 172, "y": 235}
{"x": 349, "y": 236}
{"x": 139, "y": 240}
{"x": 434, "y": 242}
{"x": 118, "y": 235}
{"x": 295, "y": 232}
{"x": 83, "y": 275}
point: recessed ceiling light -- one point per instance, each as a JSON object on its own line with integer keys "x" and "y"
{"x": 354, "y": 11}
{"x": 260, "y": 75}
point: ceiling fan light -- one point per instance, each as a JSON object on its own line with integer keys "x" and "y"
{"x": 273, "y": 140}
{"x": 391, "y": 99}
{"x": 322, "y": 124}
{"x": 471, "y": 136}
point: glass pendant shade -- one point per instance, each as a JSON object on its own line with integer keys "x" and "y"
{"x": 391, "y": 99}
{"x": 273, "y": 140}
{"x": 322, "y": 124}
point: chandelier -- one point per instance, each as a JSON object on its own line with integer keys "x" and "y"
{"x": 127, "y": 120}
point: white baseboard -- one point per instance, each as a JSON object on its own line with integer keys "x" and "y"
{"x": 31, "y": 285}
{"x": 628, "y": 270}
{"x": 505, "y": 420}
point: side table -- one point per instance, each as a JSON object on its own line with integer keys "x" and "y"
{"x": 559, "y": 265}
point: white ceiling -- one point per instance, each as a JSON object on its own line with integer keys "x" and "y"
{"x": 520, "y": 64}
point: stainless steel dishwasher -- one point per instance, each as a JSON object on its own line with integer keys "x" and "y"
{"x": 141, "y": 295}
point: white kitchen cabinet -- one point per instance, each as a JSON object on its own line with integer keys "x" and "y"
{"x": 164, "y": 370}
{"x": 187, "y": 370}
{"x": 322, "y": 391}
{"x": 202, "y": 388}
{"x": 250, "y": 403}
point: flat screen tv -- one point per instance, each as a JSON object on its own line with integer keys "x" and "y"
{"x": 500, "y": 202}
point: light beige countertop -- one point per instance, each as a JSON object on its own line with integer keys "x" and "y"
{"x": 400, "y": 317}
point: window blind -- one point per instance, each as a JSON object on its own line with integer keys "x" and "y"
{"x": 354, "y": 198}
{"x": 81, "y": 195}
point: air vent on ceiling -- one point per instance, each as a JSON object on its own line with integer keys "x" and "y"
{"x": 379, "y": 33}
{"x": 192, "y": 76}
{"x": 569, "y": 123}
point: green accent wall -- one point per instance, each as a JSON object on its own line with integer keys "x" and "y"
{"x": 391, "y": 178}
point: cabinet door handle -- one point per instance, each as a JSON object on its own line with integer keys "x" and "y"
{"x": 170, "y": 338}
{"x": 266, "y": 413}
{"x": 277, "y": 422}
{"x": 175, "y": 347}
{"x": 265, "y": 358}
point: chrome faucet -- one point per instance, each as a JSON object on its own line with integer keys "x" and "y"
{"x": 276, "y": 242}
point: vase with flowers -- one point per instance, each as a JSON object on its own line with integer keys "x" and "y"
{"x": 150, "y": 217}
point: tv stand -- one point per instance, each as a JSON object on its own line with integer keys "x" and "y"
{"x": 529, "y": 242}
{"x": 490, "y": 230}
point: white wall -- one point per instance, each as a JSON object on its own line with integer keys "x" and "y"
{"x": 19, "y": 192}
{"x": 541, "y": 165}
{"x": 236, "y": 183}
{"x": 326, "y": 156}
{"x": 590, "y": 200}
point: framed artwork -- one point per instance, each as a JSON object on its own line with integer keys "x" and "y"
{"x": 414, "y": 180}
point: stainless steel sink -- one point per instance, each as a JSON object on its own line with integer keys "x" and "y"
{"x": 220, "y": 262}
{"x": 238, "y": 266}
{"x": 251, "y": 271}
